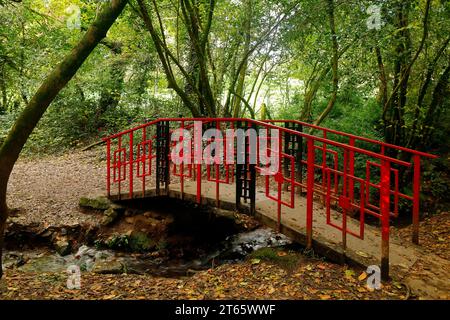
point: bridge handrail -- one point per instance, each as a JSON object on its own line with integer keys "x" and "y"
{"x": 349, "y": 135}
{"x": 273, "y": 126}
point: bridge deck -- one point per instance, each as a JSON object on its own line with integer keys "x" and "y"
{"x": 327, "y": 239}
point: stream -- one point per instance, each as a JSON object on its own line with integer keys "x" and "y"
{"x": 233, "y": 248}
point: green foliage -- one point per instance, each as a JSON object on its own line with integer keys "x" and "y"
{"x": 118, "y": 241}
{"x": 140, "y": 242}
{"x": 436, "y": 189}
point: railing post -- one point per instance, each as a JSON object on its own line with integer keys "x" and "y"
{"x": 162, "y": 156}
{"x": 144, "y": 159}
{"x": 287, "y": 150}
{"x": 108, "y": 167}
{"x": 299, "y": 165}
{"x": 351, "y": 171}
{"x": 131, "y": 155}
{"x": 158, "y": 157}
{"x": 310, "y": 192}
{"x": 166, "y": 157}
{"x": 344, "y": 206}
{"x": 182, "y": 162}
{"x": 119, "y": 187}
{"x": 198, "y": 154}
{"x": 280, "y": 181}
{"x": 385, "y": 212}
{"x": 217, "y": 166}
{"x": 416, "y": 199}
{"x": 324, "y": 163}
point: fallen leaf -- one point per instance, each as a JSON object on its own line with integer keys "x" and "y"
{"x": 362, "y": 254}
{"x": 362, "y": 276}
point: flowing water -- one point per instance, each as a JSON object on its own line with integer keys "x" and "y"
{"x": 232, "y": 249}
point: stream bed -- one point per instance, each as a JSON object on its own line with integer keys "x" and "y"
{"x": 90, "y": 259}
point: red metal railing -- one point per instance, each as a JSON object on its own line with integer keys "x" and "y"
{"x": 383, "y": 147}
{"x": 132, "y": 161}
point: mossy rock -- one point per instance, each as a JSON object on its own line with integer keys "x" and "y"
{"x": 99, "y": 203}
{"x": 108, "y": 267}
{"x": 63, "y": 247}
{"x": 111, "y": 215}
{"x": 133, "y": 241}
{"x": 140, "y": 242}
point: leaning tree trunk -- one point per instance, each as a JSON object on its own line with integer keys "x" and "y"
{"x": 52, "y": 85}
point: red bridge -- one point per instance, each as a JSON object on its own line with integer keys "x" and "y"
{"x": 327, "y": 186}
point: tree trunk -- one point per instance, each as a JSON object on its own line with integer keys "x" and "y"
{"x": 334, "y": 65}
{"x": 52, "y": 85}
{"x": 4, "y": 99}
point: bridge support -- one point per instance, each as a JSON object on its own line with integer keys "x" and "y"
{"x": 246, "y": 177}
{"x": 162, "y": 157}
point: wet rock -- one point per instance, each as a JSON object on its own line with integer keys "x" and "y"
{"x": 45, "y": 263}
{"x": 86, "y": 257}
{"x": 241, "y": 244}
{"x": 84, "y": 251}
{"x": 13, "y": 260}
{"x": 47, "y": 234}
{"x": 99, "y": 203}
{"x": 102, "y": 255}
{"x": 111, "y": 266}
{"x": 62, "y": 246}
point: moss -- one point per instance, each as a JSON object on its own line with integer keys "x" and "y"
{"x": 139, "y": 242}
{"x": 99, "y": 203}
{"x": 110, "y": 217}
{"x": 286, "y": 260}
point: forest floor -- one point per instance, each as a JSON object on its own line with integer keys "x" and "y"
{"x": 46, "y": 191}
{"x": 311, "y": 279}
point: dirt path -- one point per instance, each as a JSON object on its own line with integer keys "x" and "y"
{"x": 46, "y": 191}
